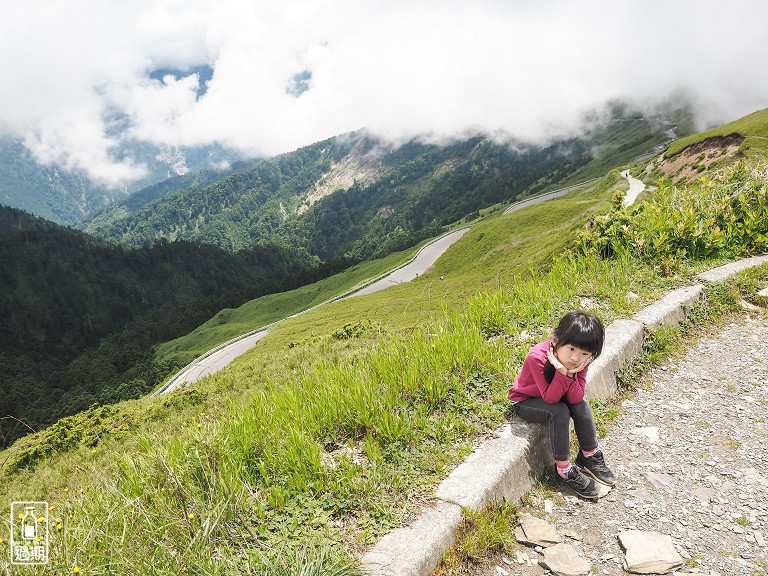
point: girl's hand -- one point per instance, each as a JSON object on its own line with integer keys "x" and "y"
{"x": 555, "y": 362}
{"x": 580, "y": 367}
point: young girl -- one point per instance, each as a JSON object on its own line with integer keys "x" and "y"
{"x": 550, "y": 389}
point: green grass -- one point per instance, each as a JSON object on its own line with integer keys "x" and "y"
{"x": 229, "y": 323}
{"x": 753, "y": 127}
{"x": 490, "y": 255}
{"x": 336, "y": 427}
{"x": 480, "y": 536}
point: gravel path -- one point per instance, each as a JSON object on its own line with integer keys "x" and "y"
{"x": 690, "y": 451}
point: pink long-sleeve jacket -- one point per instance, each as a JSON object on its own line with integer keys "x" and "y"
{"x": 530, "y": 383}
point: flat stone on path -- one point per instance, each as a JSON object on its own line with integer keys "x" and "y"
{"x": 563, "y": 560}
{"x": 660, "y": 480}
{"x": 649, "y": 552}
{"x": 651, "y": 433}
{"x": 537, "y": 532}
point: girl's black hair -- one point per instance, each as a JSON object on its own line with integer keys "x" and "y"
{"x": 581, "y": 330}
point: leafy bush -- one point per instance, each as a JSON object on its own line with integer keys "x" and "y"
{"x": 720, "y": 218}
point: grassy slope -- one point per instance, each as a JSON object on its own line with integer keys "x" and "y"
{"x": 754, "y": 127}
{"x": 495, "y": 256}
{"x": 230, "y": 323}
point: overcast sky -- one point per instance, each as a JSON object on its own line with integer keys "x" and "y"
{"x": 268, "y": 77}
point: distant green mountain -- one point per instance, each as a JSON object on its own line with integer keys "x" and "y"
{"x": 350, "y": 196}
{"x": 66, "y": 196}
{"x": 79, "y": 316}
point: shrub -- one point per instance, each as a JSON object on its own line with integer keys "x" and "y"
{"x": 722, "y": 218}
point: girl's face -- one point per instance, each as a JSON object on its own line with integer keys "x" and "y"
{"x": 571, "y": 356}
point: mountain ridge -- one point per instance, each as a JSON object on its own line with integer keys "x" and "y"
{"x": 382, "y": 198}
{"x": 65, "y": 195}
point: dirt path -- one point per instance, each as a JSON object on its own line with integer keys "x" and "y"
{"x": 635, "y": 188}
{"x": 690, "y": 453}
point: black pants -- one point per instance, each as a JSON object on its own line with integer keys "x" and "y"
{"x": 558, "y": 417}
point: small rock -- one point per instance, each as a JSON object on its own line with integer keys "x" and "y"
{"x": 501, "y": 572}
{"x": 705, "y": 495}
{"x": 537, "y": 532}
{"x": 759, "y": 539}
{"x": 563, "y": 560}
{"x": 587, "y": 304}
{"x": 650, "y": 432}
{"x": 660, "y": 480}
{"x": 641, "y": 494}
{"x": 649, "y": 552}
{"x": 573, "y": 535}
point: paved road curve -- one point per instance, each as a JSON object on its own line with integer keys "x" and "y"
{"x": 211, "y": 362}
{"x": 216, "y": 361}
{"x": 424, "y": 260}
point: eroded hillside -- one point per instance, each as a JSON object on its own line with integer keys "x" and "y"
{"x": 697, "y": 158}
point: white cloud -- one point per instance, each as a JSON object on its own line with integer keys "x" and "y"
{"x": 399, "y": 68}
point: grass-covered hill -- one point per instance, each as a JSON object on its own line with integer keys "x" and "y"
{"x": 350, "y": 196}
{"x": 337, "y": 426}
{"x": 81, "y": 317}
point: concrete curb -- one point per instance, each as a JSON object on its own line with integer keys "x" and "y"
{"x": 623, "y": 339}
{"x": 671, "y": 309}
{"x": 504, "y": 466}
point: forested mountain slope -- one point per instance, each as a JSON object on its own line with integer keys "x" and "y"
{"x": 79, "y": 316}
{"x": 351, "y": 196}
{"x": 66, "y": 195}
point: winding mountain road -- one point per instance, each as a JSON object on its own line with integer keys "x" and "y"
{"x": 426, "y": 257}
{"x": 218, "y": 357}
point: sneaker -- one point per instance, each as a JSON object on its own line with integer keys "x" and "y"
{"x": 583, "y": 485}
{"x": 595, "y": 467}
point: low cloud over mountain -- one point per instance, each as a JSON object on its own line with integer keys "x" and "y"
{"x": 269, "y": 77}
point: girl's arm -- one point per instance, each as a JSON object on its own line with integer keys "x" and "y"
{"x": 550, "y": 392}
{"x": 575, "y": 393}
{"x": 577, "y": 378}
